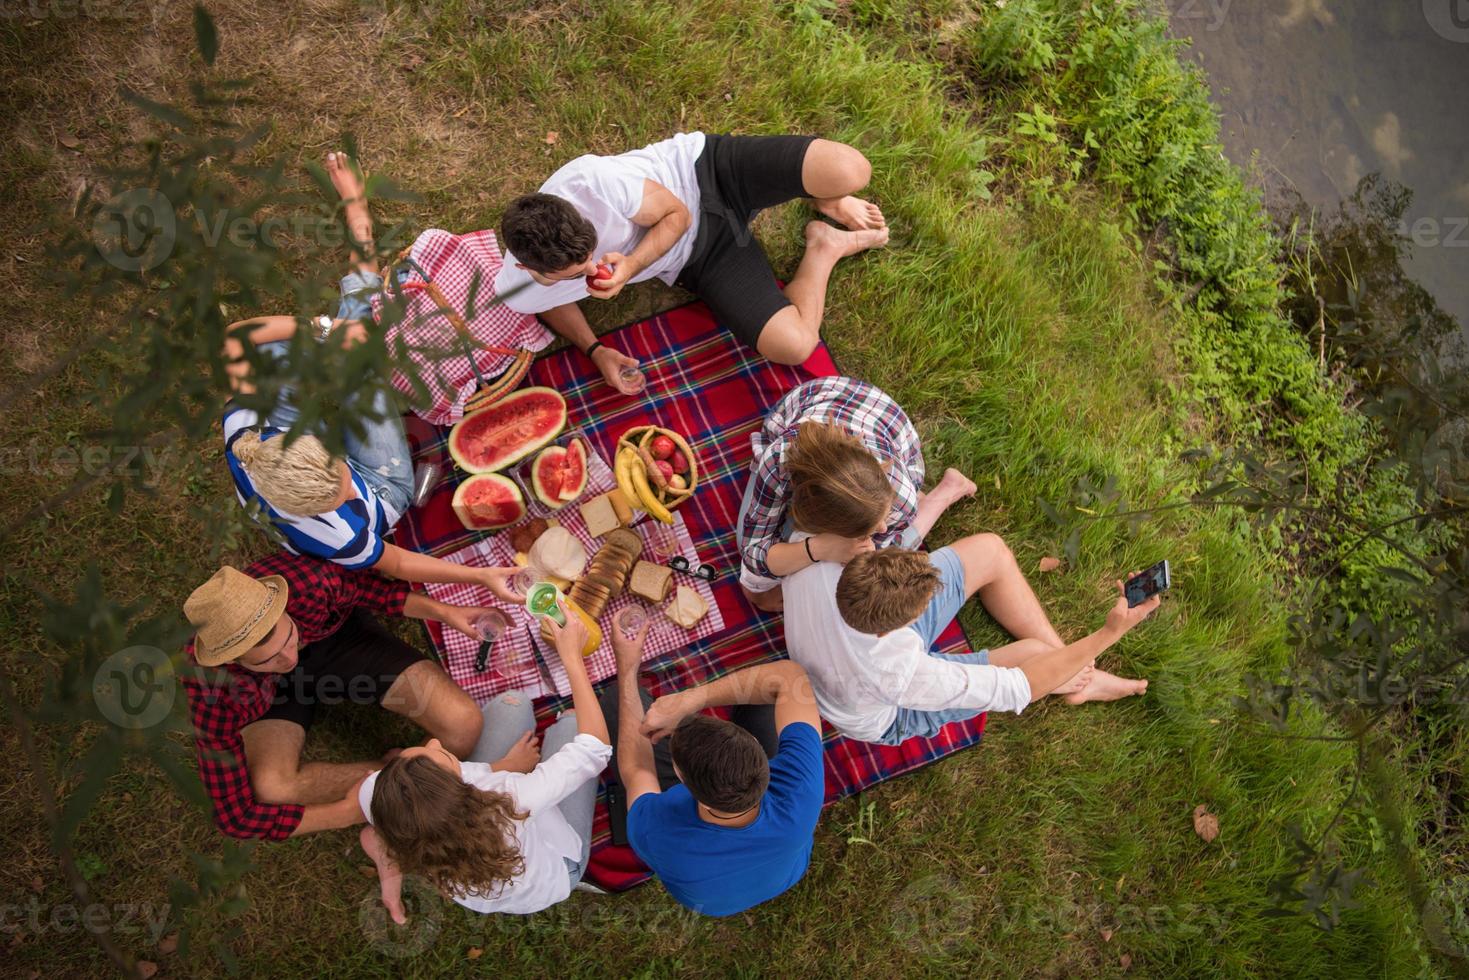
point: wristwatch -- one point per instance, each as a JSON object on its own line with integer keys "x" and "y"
{"x": 323, "y": 326}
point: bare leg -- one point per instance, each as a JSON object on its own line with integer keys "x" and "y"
{"x": 354, "y": 197}
{"x": 425, "y": 694}
{"x": 831, "y": 173}
{"x": 954, "y": 486}
{"x": 1014, "y": 654}
{"x": 1106, "y": 687}
{"x": 389, "y": 876}
{"x": 991, "y": 570}
{"x": 791, "y": 335}
{"x": 273, "y": 754}
{"x": 770, "y": 601}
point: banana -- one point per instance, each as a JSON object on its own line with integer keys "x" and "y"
{"x": 625, "y": 456}
{"x": 646, "y": 498}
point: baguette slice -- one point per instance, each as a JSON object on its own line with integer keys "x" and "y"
{"x": 687, "y": 608}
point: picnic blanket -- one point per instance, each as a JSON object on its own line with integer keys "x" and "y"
{"x": 464, "y": 268}
{"x": 704, "y": 384}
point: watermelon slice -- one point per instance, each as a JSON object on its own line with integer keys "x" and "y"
{"x": 509, "y": 430}
{"x": 559, "y": 474}
{"x": 488, "y": 501}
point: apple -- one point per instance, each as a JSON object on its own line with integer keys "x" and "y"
{"x": 604, "y": 271}
{"x": 677, "y": 482}
{"x": 680, "y": 463}
{"x": 662, "y": 447}
{"x": 665, "y": 469}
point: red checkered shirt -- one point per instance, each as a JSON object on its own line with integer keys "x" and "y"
{"x": 865, "y": 411}
{"x": 223, "y": 700}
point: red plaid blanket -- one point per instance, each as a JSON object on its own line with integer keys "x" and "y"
{"x": 704, "y": 384}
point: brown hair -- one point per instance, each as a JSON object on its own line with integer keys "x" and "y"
{"x": 837, "y": 485}
{"x": 881, "y": 591}
{"x": 546, "y": 234}
{"x": 458, "y": 836}
{"x": 721, "y": 764}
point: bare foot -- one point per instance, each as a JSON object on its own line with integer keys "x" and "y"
{"x": 1078, "y": 683}
{"x": 344, "y": 176}
{"x": 1107, "y": 687}
{"x": 772, "y": 601}
{"x": 820, "y": 235}
{"x": 954, "y": 486}
{"x": 851, "y": 212}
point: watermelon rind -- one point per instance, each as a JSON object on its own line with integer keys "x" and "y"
{"x": 505, "y": 408}
{"x": 462, "y": 507}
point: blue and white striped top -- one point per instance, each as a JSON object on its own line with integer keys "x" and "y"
{"x": 351, "y": 535}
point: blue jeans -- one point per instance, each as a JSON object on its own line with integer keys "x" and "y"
{"x": 941, "y": 611}
{"x": 380, "y": 455}
{"x": 510, "y": 716}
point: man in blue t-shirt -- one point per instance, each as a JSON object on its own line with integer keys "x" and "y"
{"x": 735, "y": 829}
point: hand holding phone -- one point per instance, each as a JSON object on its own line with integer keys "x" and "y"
{"x": 1143, "y": 586}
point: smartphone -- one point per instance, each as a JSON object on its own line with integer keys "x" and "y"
{"x": 1148, "y": 584}
{"x": 617, "y": 814}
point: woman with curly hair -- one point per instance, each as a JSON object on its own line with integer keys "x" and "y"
{"x": 503, "y": 830}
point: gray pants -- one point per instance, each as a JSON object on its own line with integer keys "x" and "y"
{"x": 510, "y": 716}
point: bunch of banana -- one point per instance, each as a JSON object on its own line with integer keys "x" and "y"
{"x": 656, "y": 469}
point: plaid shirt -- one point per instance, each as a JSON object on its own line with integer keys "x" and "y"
{"x": 223, "y": 700}
{"x": 863, "y": 410}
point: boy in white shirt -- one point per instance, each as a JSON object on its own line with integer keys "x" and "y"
{"x": 680, "y": 211}
{"x": 865, "y": 633}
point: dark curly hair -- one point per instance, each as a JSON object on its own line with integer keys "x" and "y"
{"x": 434, "y": 824}
{"x": 546, "y": 234}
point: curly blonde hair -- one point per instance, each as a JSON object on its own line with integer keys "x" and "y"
{"x": 302, "y": 478}
{"x": 460, "y": 837}
{"x": 837, "y": 485}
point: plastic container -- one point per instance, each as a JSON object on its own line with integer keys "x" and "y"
{"x": 520, "y": 473}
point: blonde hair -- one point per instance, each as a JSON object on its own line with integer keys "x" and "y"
{"x": 837, "y": 485}
{"x": 881, "y": 591}
{"x": 302, "y": 478}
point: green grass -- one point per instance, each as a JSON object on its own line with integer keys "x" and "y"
{"x": 1023, "y": 333}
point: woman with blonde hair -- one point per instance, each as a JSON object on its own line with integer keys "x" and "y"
{"x": 838, "y": 459}
{"x": 339, "y": 509}
{"x": 505, "y": 830}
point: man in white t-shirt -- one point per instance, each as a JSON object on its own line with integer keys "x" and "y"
{"x": 865, "y": 633}
{"x": 680, "y": 211}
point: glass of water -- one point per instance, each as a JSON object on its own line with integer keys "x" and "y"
{"x": 630, "y": 621}
{"x": 632, "y": 378}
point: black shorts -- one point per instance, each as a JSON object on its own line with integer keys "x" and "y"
{"x": 356, "y": 665}
{"x": 739, "y": 176}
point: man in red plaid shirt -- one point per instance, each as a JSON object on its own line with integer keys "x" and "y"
{"x": 280, "y": 638}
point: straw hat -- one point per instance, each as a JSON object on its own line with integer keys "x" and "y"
{"x": 232, "y": 612}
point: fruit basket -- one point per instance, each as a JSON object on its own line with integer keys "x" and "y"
{"x": 563, "y": 466}
{"x": 656, "y": 469}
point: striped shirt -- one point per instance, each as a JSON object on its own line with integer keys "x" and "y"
{"x": 857, "y": 407}
{"x": 351, "y": 535}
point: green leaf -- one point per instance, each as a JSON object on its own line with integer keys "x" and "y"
{"x": 205, "y": 34}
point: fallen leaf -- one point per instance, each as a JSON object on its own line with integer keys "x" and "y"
{"x": 412, "y": 62}
{"x": 169, "y": 944}
{"x": 551, "y": 137}
{"x": 146, "y": 968}
{"x": 475, "y": 953}
{"x": 1206, "y": 825}
{"x": 367, "y": 871}
{"x": 70, "y": 142}
{"x": 1049, "y": 564}
{"x": 1106, "y": 935}
{"x": 729, "y": 96}
{"x": 37, "y": 885}
{"x": 1125, "y": 960}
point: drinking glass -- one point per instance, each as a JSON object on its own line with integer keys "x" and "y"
{"x": 662, "y": 542}
{"x": 524, "y": 579}
{"x": 425, "y": 478}
{"x": 488, "y": 626}
{"x": 631, "y": 620}
{"x": 632, "y": 378}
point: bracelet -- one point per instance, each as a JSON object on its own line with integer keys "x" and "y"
{"x": 809, "y": 555}
{"x": 592, "y": 349}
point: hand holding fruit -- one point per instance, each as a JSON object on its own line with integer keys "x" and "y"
{"x": 619, "y": 269}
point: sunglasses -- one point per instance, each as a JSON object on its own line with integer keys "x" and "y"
{"x": 681, "y": 564}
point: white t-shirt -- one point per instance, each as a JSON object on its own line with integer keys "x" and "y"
{"x": 861, "y": 680}
{"x": 546, "y": 839}
{"x": 608, "y": 191}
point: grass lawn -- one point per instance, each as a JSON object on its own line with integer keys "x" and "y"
{"x": 1024, "y": 336}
